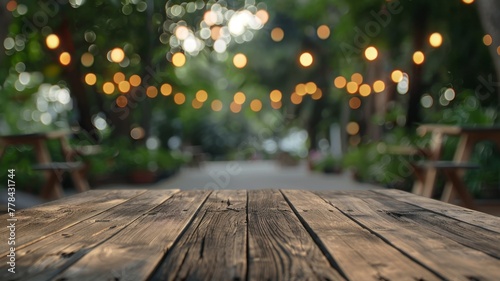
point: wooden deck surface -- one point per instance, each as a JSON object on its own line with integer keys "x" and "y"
{"x": 252, "y": 235}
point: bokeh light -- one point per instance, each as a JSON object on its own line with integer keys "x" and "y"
{"x": 239, "y": 98}
{"x": 135, "y": 80}
{"x": 277, "y": 34}
{"x": 276, "y": 105}
{"x": 323, "y": 32}
{"x": 196, "y": 104}
{"x": 487, "y": 40}
{"x": 235, "y": 107}
{"x": 87, "y": 59}
{"x": 124, "y": 86}
{"x": 118, "y": 77}
{"x": 121, "y": 101}
{"x": 418, "y": 57}
{"x": 357, "y": 78}
{"x": 240, "y": 60}
{"x": 300, "y": 89}
{"x": 152, "y": 92}
{"x": 117, "y": 55}
{"x": 365, "y": 90}
{"x": 468, "y": 1}
{"x": 436, "y": 39}
{"x": 317, "y": 94}
{"x": 340, "y": 82}
{"x": 65, "y": 58}
{"x": 397, "y": 76}
{"x": 179, "y": 98}
{"x": 52, "y": 41}
{"x": 166, "y": 89}
{"x": 108, "y": 88}
{"x": 371, "y": 53}
{"x": 354, "y": 102}
{"x": 352, "y": 128}
{"x": 90, "y": 79}
{"x": 311, "y": 87}
{"x": 295, "y": 98}
{"x": 178, "y": 59}
{"x": 306, "y": 59}
{"x": 201, "y": 96}
{"x": 275, "y": 96}
{"x": 352, "y": 87}
{"x": 256, "y": 105}
{"x": 216, "y": 105}
{"x": 137, "y": 133}
{"x": 378, "y": 86}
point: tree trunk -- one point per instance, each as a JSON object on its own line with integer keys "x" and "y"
{"x": 489, "y": 12}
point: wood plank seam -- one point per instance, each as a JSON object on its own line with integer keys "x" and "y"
{"x": 431, "y": 210}
{"x": 178, "y": 238}
{"x": 386, "y": 241}
{"x": 70, "y": 225}
{"x": 315, "y": 238}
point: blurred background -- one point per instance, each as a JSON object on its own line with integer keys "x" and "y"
{"x": 301, "y": 88}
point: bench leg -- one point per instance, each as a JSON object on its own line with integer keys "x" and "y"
{"x": 52, "y": 188}
{"x": 460, "y": 188}
{"x": 79, "y": 180}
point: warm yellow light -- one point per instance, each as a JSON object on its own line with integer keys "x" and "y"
{"x": 352, "y": 128}
{"x": 275, "y": 96}
{"x": 117, "y": 55}
{"x": 317, "y": 94}
{"x": 418, "y": 57}
{"x": 179, "y": 98}
{"x": 487, "y": 40}
{"x": 201, "y": 95}
{"x": 240, "y": 60}
{"x": 65, "y": 58}
{"x": 135, "y": 80}
{"x": 435, "y": 39}
{"x": 352, "y": 87}
{"x": 357, "y": 78}
{"x": 118, "y": 77}
{"x": 354, "y": 102}
{"x": 108, "y": 88}
{"x": 498, "y": 50}
{"x": 300, "y": 89}
{"x": 256, "y": 105}
{"x": 179, "y": 59}
{"x": 87, "y": 59}
{"x": 468, "y": 1}
{"x": 124, "y": 86}
{"x": 371, "y": 53}
{"x": 166, "y": 89}
{"x": 306, "y": 59}
{"x": 323, "y": 32}
{"x": 378, "y": 86}
{"x": 263, "y": 16}
{"x": 215, "y": 32}
{"x": 234, "y": 107}
{"x": 311, "y": 87}
{"x": 397, "y": 76}
{"x": 340, "y": 82}
{"x": 216, "y": 105}
{"x": 277, "y": 34}
{"x": 152, "y": 92}
{"x": 296, "y": 99}
{"x": 121, "y": 101}
{"x": 52, "y": 41}
{"x": 276, "y": 105}
{"x": 365, "y": 90}
{"x": 210, "y": 17}
{"x": 239, "y": 98}
{"x": 90, "y": 79}
{"x": 196, "y": 104}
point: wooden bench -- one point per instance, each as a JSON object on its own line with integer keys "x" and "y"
{"x": 451, "y": 170}
{"x": 52, "y": 190}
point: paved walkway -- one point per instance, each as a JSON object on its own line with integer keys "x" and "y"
{"x": 256, "y": 175}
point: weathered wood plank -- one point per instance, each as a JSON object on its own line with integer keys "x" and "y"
{"x": 358, "y": 253}
{"x": 280, "y": 248}
{"x": 46, "y": 258}
{"x": 444, "y": 256}
{"x": 472, "y": 236}
{"x": 214, "y": 247}
{"x": 134, "y": 252}
{"x": 466, "y": 215}
{"x": 38, "y": 222}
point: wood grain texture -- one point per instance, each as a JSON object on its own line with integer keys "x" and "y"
{"x": 359, "y": 254}
{"x": 46, "y": 258}
{"x": 442, "y": 255}
{"x": 468, "y": 216}
{"x": 36, "y": 223}
{"x": 472, "y": 236}
{"x": 280, "y": 248}
{"x": 133, "y": 253}
{"x": 215, "y": 245}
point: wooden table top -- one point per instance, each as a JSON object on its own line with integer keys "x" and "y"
{"x": 252, "y": 235}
